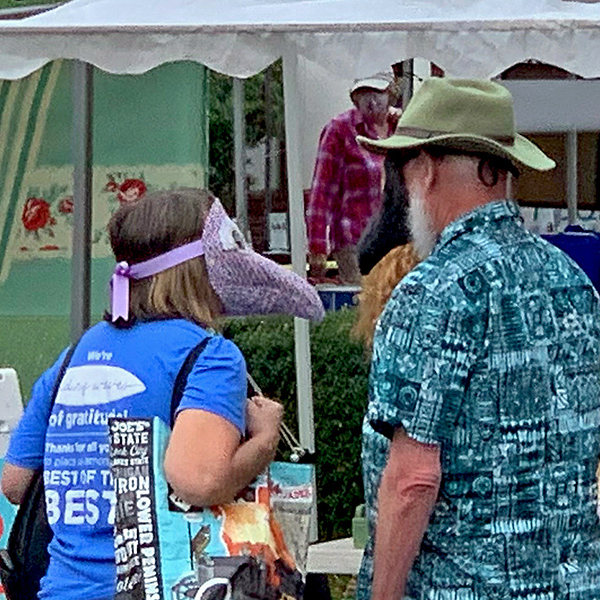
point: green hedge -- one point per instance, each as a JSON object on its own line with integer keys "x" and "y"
{"x": 31, "y": 344}
{"x": 339, "y": 370}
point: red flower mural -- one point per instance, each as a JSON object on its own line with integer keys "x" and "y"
{"x": 65, "y": 206}
{"x": 111, "y": 184}
{"x": 36, "y": 214}
{"x": 131, "y": 190}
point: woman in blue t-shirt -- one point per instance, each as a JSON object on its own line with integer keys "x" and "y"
{"x": 181, "y": 264}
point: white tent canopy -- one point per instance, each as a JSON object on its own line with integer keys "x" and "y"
{"x": 324, "y": 41}
{"x": 349, "y": 37}
{"x": 334, "y": 41}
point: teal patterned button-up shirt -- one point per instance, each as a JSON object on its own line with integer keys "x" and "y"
{"x": 491, "y": 349}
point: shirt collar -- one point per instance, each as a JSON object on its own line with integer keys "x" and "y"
{"x": 478, "y": 219}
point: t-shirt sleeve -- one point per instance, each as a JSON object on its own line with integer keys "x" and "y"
{"x": 217, "y": 383}
{"x": 425, "y": 346}
{"x": 26, "y": 447}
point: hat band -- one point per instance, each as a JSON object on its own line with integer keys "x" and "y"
{"x": 424, "y": 134}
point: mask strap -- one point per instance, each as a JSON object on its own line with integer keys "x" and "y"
{"x": 124, "y": 272}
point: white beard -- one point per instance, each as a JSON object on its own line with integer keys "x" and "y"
{"x": 422, "y": 233}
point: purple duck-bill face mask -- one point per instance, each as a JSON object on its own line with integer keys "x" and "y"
{"x": 247, "y": 283}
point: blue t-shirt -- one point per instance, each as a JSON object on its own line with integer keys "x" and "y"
{"x": 113, "y": 372}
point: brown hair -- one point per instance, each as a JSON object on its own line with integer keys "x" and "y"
{"x": 377, "y": 287}
{"x": 151, "y": 226}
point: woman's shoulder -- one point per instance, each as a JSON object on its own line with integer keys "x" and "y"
{"x": 187, "y": 333}
{"x": 226, "y": 349}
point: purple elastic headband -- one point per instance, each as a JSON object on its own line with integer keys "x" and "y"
{"x": 124, "y": 272}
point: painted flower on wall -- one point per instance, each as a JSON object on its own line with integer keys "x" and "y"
{"x": 36, "y": 216}
{"x": 111, "y": 184}
{"x": 65, "y": 206}
{"x": 131, "y": 190}
{"x": 121, "y": 188}
{"x": 46, "y": 211}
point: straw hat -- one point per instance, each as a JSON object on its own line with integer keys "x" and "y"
{"x": 465, "y": 115}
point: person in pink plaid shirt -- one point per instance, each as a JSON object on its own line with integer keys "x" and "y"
{"x": 348, "y": 179}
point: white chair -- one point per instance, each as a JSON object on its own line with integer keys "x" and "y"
{"x": 11, "y": 406}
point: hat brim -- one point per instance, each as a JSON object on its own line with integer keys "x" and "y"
{"x": 521, "y": 152}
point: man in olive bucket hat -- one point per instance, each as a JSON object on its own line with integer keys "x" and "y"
{"x": 482, "y": 434}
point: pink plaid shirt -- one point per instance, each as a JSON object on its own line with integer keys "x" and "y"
{"x": 347, "y": 184}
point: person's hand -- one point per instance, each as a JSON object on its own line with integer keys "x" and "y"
{"x": 264, "y": 418}
{"x": 318, "y": 265}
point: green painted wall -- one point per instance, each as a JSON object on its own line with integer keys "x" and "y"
{"x": 148, "y": 119}
{"x": 152, "y": 127}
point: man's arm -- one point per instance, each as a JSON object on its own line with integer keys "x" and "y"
{"x": 407, "y": 495}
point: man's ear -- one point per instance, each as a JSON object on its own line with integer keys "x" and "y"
{"x": 429, "y": 172}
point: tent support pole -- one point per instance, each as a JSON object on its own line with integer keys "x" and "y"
{"x": 306, "y": 425}
{"x": 83, "y": 78}
{"x": 239, "y": 142}
{"x": 268, "y": 151}
{"x": 572, "y": 176}
{"x": 408, "y": 69}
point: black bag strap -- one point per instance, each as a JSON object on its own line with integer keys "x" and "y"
{"x": 182, "y": 376}
{"x": 61, "y": 373}
{"x": 25, "y": 517}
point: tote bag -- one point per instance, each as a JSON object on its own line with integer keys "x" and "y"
{"x": 166, "y": 549}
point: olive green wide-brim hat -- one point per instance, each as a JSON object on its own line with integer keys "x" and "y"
{"x": 468, "y": 115}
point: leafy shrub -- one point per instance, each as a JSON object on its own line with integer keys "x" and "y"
{"x": 339, "y": 369}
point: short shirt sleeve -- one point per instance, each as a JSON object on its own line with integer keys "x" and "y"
{"x": 26, "y": 447}
{"x": 426, "y": 343}
{"x": 217, "y": 383}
